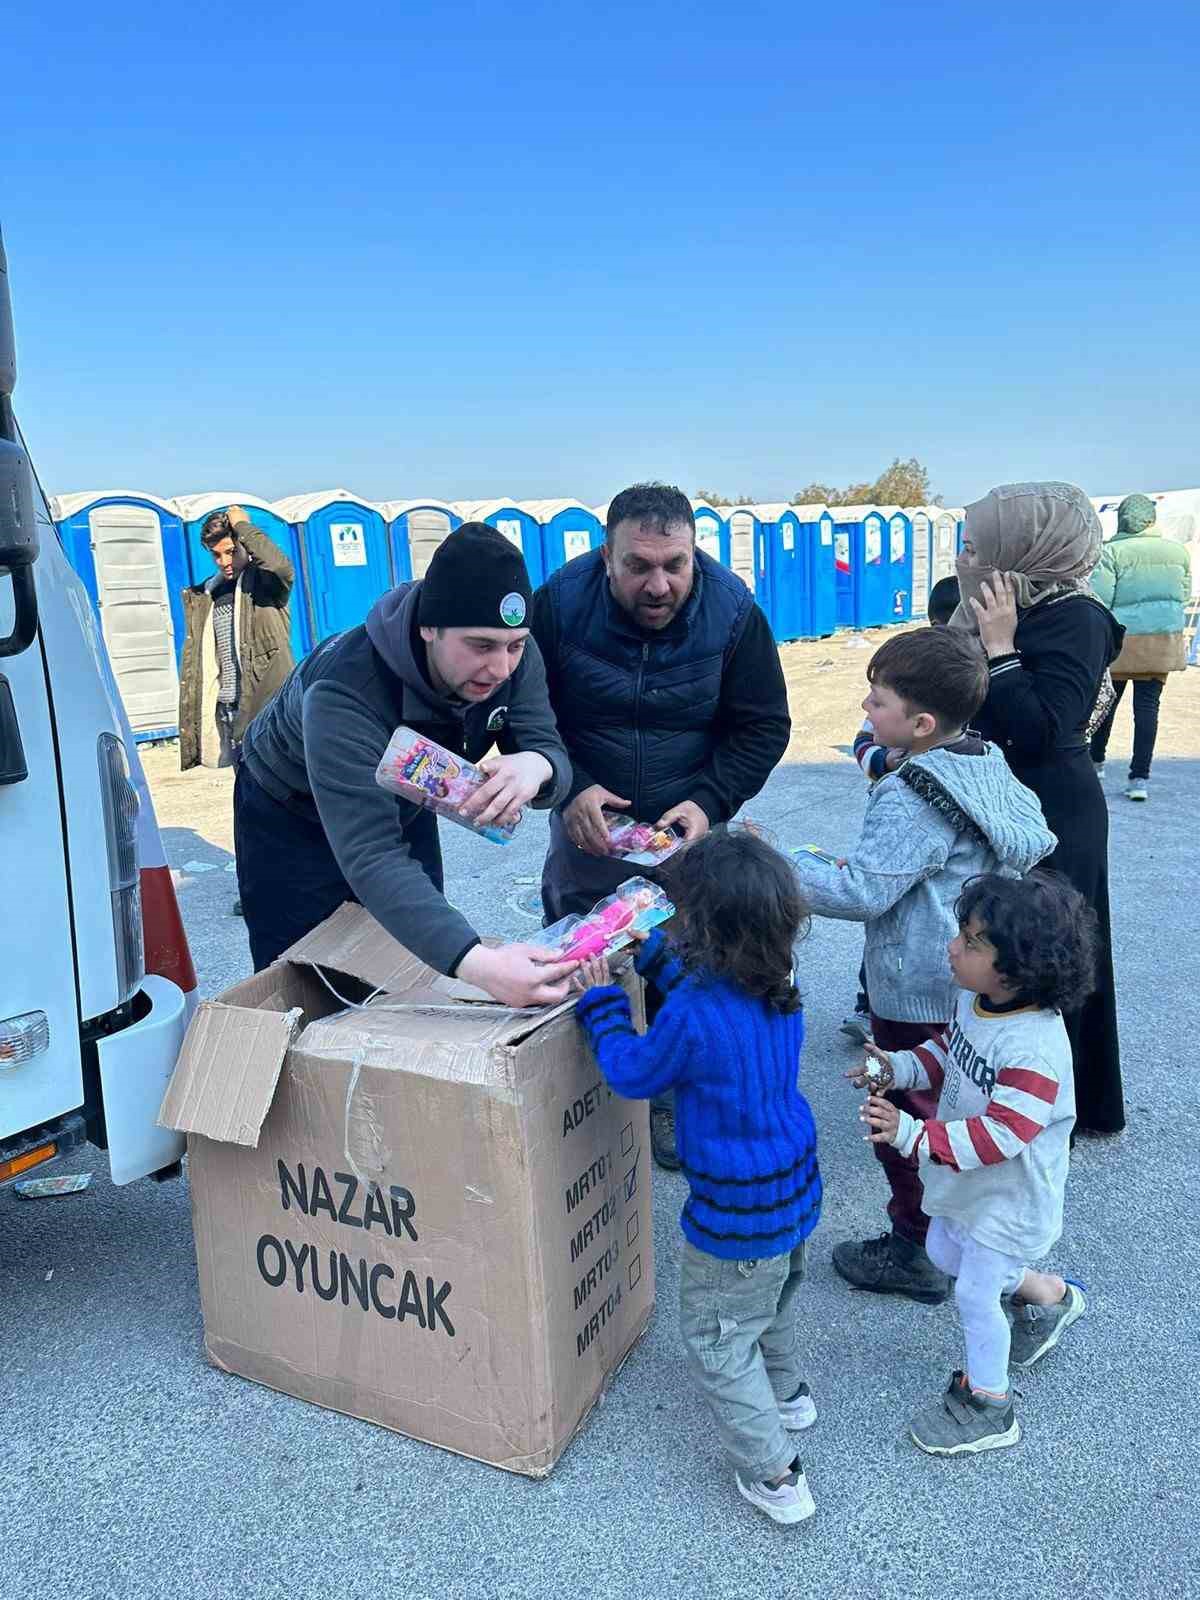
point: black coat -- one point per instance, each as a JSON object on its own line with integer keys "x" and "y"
{"x": 696, "y": 711}
{"x": 1039, "y": 701}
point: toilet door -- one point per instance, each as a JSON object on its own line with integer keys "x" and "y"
{"x": 135, "y": 613}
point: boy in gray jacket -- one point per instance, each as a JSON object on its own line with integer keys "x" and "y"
{"x": 950, "y": 811}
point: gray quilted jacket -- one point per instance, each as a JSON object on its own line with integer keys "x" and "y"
{"x": 939, "y": 819}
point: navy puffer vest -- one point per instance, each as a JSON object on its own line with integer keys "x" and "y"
{"x": 638, "y": 711}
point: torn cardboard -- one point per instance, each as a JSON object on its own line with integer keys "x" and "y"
{"x": 428, "y": 1211}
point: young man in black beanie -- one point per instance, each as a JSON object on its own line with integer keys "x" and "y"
{"x": 451, "y": 657}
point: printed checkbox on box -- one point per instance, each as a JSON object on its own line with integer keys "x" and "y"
{"x": 627, "y": 1139}
{"x": 631, "y": 1182}
{"x": 635, "y": 1272}
{"x": 633, "y": 1227}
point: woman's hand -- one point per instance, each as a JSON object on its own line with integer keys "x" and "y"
{"x": 997, "y": 614}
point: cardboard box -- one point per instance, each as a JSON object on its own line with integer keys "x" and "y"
{"x": 429, "y": 1212}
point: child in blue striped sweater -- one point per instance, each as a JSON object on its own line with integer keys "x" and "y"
{"x": 727, "y": 1039}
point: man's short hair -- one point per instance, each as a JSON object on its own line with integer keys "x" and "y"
{"x": 943, "y": 600}
{"x": 654, "y": 506}
{"x": 939, "y": 670}
{"x": 216, "y": 528}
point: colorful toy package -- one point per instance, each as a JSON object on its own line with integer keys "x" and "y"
{"x": 429, "y": 775}
{"x": 637, "y": 906}
{"x": 640, "y": 843}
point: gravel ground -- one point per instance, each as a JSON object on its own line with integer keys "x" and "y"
{"x": 135, "y": 1469}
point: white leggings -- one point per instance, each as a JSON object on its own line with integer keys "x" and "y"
{"x": 981, "y": 1275}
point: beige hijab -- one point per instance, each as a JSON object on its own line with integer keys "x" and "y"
{"x": 1045, "y": 536}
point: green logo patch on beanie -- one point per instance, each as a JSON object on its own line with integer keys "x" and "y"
{"x": 512, "y": 610}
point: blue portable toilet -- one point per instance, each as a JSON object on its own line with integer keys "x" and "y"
{"x": 899, "y": 552}
{"x": 814, "y": 534}
{"x": 415, "y": 529}
{"x": 128, "y": 549}
{"x": 345, "y": 544}
{"x": 712, "y": 531}
{"x": 783, "y": 591}
{"x": 863, "y": 595}
{"x": 195, "y": 508}
{"x": 516, "y": 523}
{"x": 569, "y": 529}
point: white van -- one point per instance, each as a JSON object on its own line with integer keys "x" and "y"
{"x": 88, "y": 1037}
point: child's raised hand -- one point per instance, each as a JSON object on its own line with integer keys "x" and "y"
{"x": 874, "y": 1072}
{"x": 883, "y": 1119}
{"x": 594, "y": 973}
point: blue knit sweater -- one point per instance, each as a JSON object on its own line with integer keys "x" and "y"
{"x": 743, "y": 1130}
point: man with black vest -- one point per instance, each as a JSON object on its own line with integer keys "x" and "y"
{"x": 451, "y": 657}
{"x": 669, "y": 694}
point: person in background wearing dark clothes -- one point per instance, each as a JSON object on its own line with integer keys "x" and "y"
{"x": 236, "y": 650}
{"x": 1145, "y": 580}
{"x": 449, "y": 656}
{"x": 669, "y": 694}
{"x": 1029, "y": 550}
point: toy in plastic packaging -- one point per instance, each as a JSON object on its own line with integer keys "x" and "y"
{"x": 641, "y": 844}
{"x": 636, "y": 907}
{"x": 420, "y": 770}
{"x": 815, "y": 850}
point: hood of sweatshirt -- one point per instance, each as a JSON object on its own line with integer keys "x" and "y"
{"x": 391, "y": 626}
{"x": 978, "y": 794}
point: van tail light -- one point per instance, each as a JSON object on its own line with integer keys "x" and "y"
{"x": 120, "y": 827}
{"x": 167, "y": 951}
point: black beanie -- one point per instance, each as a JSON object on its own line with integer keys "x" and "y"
{"x": 477, "y": 579}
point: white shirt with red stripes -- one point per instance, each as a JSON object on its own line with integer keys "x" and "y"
{"x": 995, "y": 1157}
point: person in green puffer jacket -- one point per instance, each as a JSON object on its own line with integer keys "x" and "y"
{"x": 1145, "y": 580}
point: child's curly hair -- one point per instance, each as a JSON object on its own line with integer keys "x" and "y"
{"x": 740, "y": 913}
{"x": 1044, "y": 932}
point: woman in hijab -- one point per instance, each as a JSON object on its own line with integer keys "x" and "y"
{"x": 1028, "y": 552}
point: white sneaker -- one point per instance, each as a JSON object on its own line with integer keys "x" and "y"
{"x": 799, "y": 1412}
{"x": 1138, "y": 789}
{"x": 789, "y": 1501}
{"x": 1099, "y": 766}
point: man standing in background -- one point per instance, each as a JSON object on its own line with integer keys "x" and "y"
{"x": 237, "y": 648}
{"x": 669, "y": 695}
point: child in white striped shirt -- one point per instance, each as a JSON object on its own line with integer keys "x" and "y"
{"x": 994, "y": 1160}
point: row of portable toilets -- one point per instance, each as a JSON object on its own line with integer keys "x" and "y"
{"x": 813, "y": 569}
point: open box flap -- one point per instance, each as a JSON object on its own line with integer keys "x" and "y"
{"x": 225, "y": 1078}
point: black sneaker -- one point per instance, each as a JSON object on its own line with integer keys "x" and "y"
{"x": 662, "y": 1138}
{"x": 891, "y": 1265}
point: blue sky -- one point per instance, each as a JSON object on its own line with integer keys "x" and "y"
{"x": 544, "y": 249}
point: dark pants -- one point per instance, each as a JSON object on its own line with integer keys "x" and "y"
{"x": 288, "y": 877}
{"x": 904, "y": 1208}
{"x": 1146, "y": 695}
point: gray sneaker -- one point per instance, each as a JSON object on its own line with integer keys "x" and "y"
{"x": 1138, "y": 789}
{"x": 1099, "y": 766}
{"x": 857, "y": 1026}
{"x": 964, "y": 1424}
{"x": 1037, "y": 1329}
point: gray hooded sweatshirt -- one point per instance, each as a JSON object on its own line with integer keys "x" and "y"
{"x": 939, "y": 819}
{"x": 318, "y": 743}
